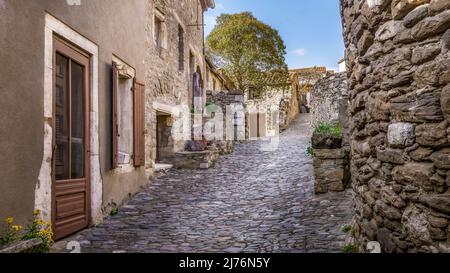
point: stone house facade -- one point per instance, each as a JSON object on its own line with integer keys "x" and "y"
{"x": 175, "y": 53}
{"x": 216, "y": 81}
{"x": 303, "y": 80}
{"x": 398, "y": 63}
{"x": 83, "y": 81}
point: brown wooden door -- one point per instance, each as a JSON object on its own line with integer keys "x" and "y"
{"x": 71, "y": 194}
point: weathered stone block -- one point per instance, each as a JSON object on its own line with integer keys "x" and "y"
{"x": 421, "y": 154}
{"x": 394, "y": 156}
{"x": 432, "y": 134}
{"x": 413, "y": 173}
{"x": 387, "y": 211}
{"x": 388, "y": 194}
{"x": 329, "y": 153}
{"x": 425, "y": 53}
{"x": 437, "y": 234}
{"x": 441, "y": 159}
{"x": 419, "y": 106}
{"x": 445, "y": 101}
{"x": 401, "y": 134}
{"x": 431, "y": 26}
{"x": 415, "y": 16}
{"x": 388, "y": 31}
{"x": 401, "y": 7}
{"x": 416, "y": 224}
{"x": 439, "y": 202}
{"x": 445, "y": 41}
{"x": 438, "y": 222}
{"x": 365, "y": 42}
{"x": 439, "y": 5}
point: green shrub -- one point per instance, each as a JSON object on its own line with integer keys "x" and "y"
{"x": 310, "y": 151}
{"x": 114, "y": 211}
{"x": 347, "y": 229}
{"x": 349, "y": 249}
{"x": 325, "y": 128}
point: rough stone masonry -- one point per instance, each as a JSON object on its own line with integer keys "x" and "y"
{"x": 397, "y": 55}
{"x": 329, "y": 102}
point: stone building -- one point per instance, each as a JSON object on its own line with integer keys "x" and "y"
{"x": 266, "y": 114}
{"x": 398, "y": 62}
{"x": 85, "y": 84}
{"x": 216, "y": 81}
{"x": 175, "y": 56}
{"x": 303, "y": 80}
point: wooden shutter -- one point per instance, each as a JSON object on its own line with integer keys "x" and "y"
{"x": 139, "y": 124}
{"x": 115, "y": 120}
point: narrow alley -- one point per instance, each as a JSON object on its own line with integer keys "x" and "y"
{"x": 251, "y": 201}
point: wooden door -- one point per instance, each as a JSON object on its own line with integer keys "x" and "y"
{"x": 71, "y": 185}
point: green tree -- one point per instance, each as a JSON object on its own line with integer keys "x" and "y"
{"x": 249, "y": 52}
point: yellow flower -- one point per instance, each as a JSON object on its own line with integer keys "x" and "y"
{"x": 10, "y": 220}
{"x": 16, "y": 228}
{"x": 37, "y": 212}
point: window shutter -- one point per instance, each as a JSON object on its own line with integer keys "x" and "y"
{"x": 115, "y": 124}
{"x": 139, "y": 124}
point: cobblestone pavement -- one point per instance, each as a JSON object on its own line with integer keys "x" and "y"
{"x": 251, "y": 201}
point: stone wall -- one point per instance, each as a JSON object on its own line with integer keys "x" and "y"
{"x": 398, "y": 67}
{"x": 329, "y": 101}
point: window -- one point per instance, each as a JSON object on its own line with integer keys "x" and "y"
{"x": 159, "y": 31}
{"x": 180, "y": 48}
{"x": 128, "y": 112}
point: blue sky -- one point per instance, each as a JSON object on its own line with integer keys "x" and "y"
{"x": 311, "y": 29}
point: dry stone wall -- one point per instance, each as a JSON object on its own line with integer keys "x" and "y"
{"x": 330, "y": 102}
{"x": 399, "y": 77}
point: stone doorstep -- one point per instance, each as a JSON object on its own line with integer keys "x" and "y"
{"x": 160, "y": 167}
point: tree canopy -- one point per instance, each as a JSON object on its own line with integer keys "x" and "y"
{"x": 249, "y": 52}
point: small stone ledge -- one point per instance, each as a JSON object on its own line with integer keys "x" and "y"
{"x": 195, "y": 160}
{"x": 28, "y": 246}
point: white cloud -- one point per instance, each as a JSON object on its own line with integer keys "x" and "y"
{"x": 300, "y": 52}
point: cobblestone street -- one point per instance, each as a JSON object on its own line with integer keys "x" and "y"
{"x": 251, "y": 201}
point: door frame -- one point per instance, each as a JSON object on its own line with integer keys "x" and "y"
{"x": 63, "y": 47}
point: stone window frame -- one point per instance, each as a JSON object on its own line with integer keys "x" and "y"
{"x": 161, "y": 43}
{"x": 126, "y": 71}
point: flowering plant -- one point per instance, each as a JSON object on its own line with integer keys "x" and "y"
{"x": 38, "y": 229}
{"x": 41, "y": 230}
{"x": 11, "y": 233}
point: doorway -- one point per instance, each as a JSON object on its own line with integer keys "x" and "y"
{"x": 70, "y": 170}
{"x": 164, "y": 140}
